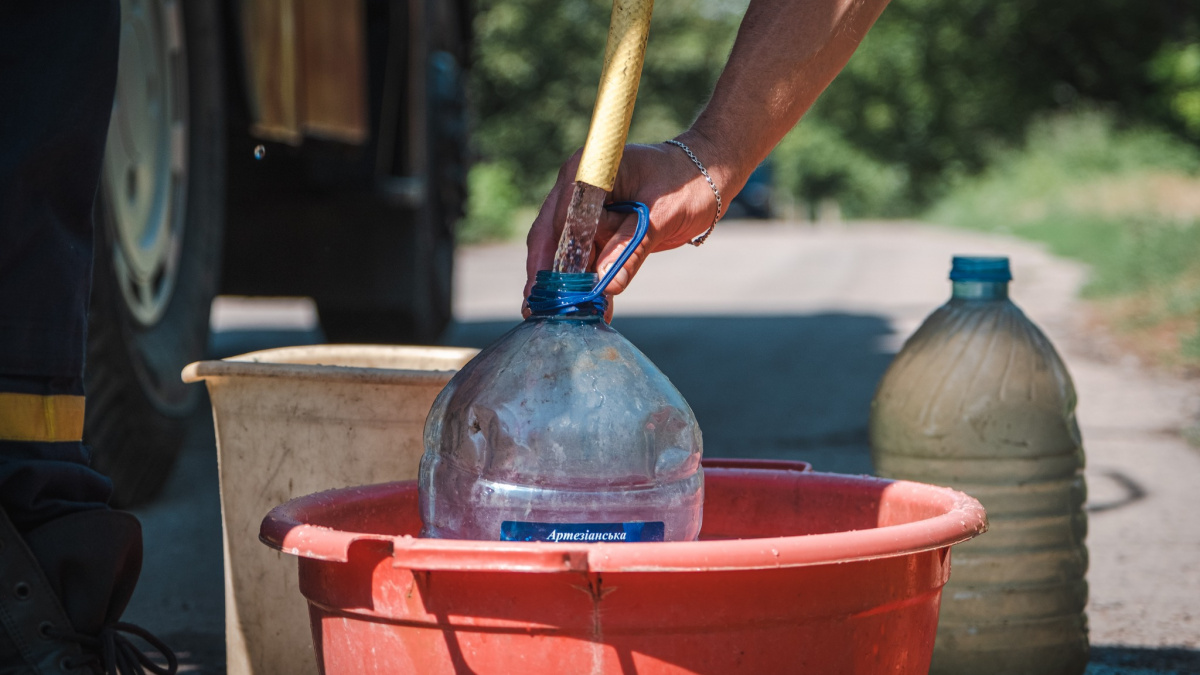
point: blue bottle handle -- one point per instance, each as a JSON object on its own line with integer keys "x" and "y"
{"x": 639, "y": 233}
{"x": 566, "y": 302}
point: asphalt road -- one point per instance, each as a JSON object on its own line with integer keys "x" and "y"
{"x": 776, "y": 335}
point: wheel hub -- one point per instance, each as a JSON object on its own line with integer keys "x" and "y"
{"x": 145, "y": 163}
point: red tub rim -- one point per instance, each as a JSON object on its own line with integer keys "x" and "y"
{"x": 288, "y": 528}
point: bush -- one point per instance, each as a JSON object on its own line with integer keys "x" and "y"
{"x": 1061, "y": 157}
{"x": 934, "y": 85}
{"x": 537, "y": 65}
{"x": 1127, "y": 202}
{"x": 937, "y": 82}
{"x": 1176, "y": 69}
{"x": 492, "y": 203}
{"x": 815, "y": 163}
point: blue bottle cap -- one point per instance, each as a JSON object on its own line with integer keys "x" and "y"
{"x": 976, "y": 268}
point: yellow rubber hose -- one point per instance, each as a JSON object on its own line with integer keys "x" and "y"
{"x": 623, "y": 57}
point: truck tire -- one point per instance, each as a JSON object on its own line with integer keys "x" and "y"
{"x": 158, "y": 241}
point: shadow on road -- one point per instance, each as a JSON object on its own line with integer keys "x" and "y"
{"x": 778, "y": 387}
{"x": 1117, "y": 660}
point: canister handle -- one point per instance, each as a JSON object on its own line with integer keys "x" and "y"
{"x": 564, "y": 300}
{"x": 639, "y": 233}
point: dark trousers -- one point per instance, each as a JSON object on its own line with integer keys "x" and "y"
{"x": 58, "y": 67}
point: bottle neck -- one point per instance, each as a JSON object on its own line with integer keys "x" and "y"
{"x": 980, "y": 290}
{"x": 552, "y": 287}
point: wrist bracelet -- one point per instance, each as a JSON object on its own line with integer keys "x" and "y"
{"x": 717, "y": 193}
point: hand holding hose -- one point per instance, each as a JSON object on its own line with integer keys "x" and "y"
{"x": 661, "y": 176}
{"x": 786, "y": 53}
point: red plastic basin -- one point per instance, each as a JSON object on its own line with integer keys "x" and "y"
{"x": 796, "y": 572}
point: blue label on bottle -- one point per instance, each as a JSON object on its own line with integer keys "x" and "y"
{"x": 515, "y": 530}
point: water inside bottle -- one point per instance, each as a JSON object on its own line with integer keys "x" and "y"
{"x": 562, "y": 430}
{"x": 979, "y": 400}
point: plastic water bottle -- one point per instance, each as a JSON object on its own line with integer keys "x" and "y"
{"x": 562, "y": 431}
{"x": 979, "y": 400}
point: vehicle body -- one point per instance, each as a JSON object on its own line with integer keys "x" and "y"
{"x": 358, "y": 107}
{"x": 755, "y": 198}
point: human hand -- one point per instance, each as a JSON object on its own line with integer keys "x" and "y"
{"x": 682, "y": 207}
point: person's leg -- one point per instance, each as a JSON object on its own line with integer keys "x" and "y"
{"x": 58, "y": 68}
{"x": 58, "y": 65}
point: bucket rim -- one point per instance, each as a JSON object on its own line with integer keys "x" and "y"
{"x": 285, "y": 529}
{"x": 289, "y": 363}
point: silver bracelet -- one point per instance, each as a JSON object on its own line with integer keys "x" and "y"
{"x": 717, "y": 193}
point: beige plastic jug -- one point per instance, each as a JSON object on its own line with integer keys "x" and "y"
{"x": 979, "y": 400}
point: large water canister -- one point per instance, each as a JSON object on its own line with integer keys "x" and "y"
{"x": 979, "y": 400}
{"x": 562, "y": 431}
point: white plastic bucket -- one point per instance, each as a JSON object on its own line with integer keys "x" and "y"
{"x": 294, "y": 421}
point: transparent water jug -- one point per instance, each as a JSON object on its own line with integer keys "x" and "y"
{"x": 562, "y": 431}
{"x": 979, "y": 400}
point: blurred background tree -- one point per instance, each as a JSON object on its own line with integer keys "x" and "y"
{"x": 934, "y": 87}
{"x": 537, "y": 64}
{"x": 938, "y": 83}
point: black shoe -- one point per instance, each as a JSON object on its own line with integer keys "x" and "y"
{"x": 90, "y": 560}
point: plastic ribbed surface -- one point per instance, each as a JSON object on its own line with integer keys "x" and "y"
{"x": 623, "y": 57}
{"x": 979, "y": 400}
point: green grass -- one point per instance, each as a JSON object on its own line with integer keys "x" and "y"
{"x": 1126, "y": 202}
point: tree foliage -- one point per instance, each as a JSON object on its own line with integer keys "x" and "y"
{"x": 936, "y": 83}
{"x": 538, "y": 64}
{"x": 934, "y": 87}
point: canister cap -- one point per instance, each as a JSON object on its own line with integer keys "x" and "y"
{"x": 979, "y": 268}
